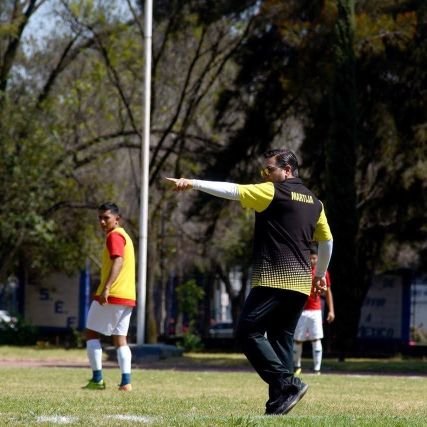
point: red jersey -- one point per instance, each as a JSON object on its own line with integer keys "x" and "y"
{"x": 115, "y": 245}
{"x": 315, "y": 302}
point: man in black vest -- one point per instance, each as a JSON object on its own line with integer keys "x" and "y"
{"x": 288, "y": 218}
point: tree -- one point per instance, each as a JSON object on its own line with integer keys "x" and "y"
{"x": 75, "y": 110}
{"x": 31, "y": 179}
{"x": 351, "y": 76}
{"x": 230, "y": 79}
{"x": 360, "y": 119}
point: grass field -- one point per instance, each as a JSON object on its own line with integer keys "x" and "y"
{"x": 182, "y": 393}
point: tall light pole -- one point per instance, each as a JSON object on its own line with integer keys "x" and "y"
{"x": 145, "y": 164}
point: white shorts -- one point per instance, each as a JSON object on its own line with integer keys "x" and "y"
{"x": 109, "y": 319}
{"x": 309, "y": 327}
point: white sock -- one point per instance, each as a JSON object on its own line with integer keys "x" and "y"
{"x": 124, "y": 357}
{"x": 317, "y": 354}
{"x": 297, "y": 354}
{"x": 94, "y": 353}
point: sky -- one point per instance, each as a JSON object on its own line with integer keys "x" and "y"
{"x": 44, "y": 21}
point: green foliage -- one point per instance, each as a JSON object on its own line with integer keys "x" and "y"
{"x": 352, "y": 73}
{"x": 189, "y": 294}
{"x": 32, "y": 181}
{"x": 18, "y": 333}
{"x": 34, "y": 184}
{"x": 77, "y": 339}
{"x": 190, "y": 342}
{"x": 45, "y": 200}
{"x": 229, "y": 81}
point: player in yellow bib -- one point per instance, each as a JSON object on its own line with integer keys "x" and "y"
{"x": 288, "y": 217}
{"x": 114, "y": 299}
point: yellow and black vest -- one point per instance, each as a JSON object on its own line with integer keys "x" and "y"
{"x": 288, "y": 218}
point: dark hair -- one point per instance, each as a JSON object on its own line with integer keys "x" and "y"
{"x": 284, "y": 157}
{"x": 313, "y": 249}
{"x": 109, "y": 206}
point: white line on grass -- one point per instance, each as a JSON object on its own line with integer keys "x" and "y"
{"x": 61, "y": 419}
{"x": 56, "y": 419}
{"x": 138, "y": 418}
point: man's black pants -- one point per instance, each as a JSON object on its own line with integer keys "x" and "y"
{"x": 275, "y": 312}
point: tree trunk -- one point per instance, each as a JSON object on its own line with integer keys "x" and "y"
{"x": 341, "y": 184}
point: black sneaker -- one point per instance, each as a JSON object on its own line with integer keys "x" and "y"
{"x": 293, "y": 399}
{"x": 292, "y": 393}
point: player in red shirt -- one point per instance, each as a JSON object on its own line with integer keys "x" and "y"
{"x": 310, "y": 324}
{"x": 114, "y": 299}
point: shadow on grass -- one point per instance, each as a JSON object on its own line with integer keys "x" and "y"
{"x": 237, "y": 362}
{"x": 32, "y": 356}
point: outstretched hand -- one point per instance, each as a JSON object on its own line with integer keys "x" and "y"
{"x": 181, "y": 184}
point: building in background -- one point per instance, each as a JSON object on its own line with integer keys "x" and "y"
{"x": 59, "y": 302}
{"x": 394, "y": 312}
